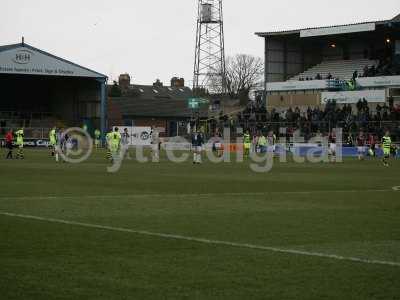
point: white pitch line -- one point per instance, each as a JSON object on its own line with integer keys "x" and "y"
{"x": 206, "y": 241}
{"x": 198, "y": 194}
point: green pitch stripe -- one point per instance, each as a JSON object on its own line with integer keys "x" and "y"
{"x": 205, "y": 241}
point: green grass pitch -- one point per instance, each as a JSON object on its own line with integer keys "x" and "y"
{"x": 347, "y": 210}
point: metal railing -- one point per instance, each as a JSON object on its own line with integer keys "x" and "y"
{"x": 307, "y": 128}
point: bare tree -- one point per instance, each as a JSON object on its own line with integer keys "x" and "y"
{"x": 243, "y": 73}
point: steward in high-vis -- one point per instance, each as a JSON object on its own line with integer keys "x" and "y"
{"x": 246, "y": 144}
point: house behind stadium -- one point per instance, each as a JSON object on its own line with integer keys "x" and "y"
{"x": 163, "y": 107}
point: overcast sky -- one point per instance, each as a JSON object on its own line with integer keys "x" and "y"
{"x": 156, "y": 39}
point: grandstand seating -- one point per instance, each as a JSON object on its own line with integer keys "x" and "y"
{"x": 14, "y": 119}
{"x": 341, "y": 69}
{"x": 46, "y": 123}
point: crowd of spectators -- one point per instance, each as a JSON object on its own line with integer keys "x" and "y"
{"x": 315, "y": 120}
{"x": 351, "y": 119}
{"x": 384, "y": 68}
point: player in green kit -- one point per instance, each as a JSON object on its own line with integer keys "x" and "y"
{"x": 262, "y": 143}
{"x": 246, "y": 144}
{"x": 108, "y": 144}
{"x": 53, "y": 140}
{"x": 115, "y": 143}
{"x": 386, "y": 146}
{"x": 20, "y": 144}
{"x": 97, "y": 135}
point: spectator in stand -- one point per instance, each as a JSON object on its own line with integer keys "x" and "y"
{"x": 385, "y": 108}
{"x": 2, "y": 125}
{"x": 361, "y": 141}
{"x": 372, "y": 144}
{"x": 386, "y": 67}
{"x": 372, "y": 71}
{"x": 318, "y": 77}
{"x": 366, "y": 71}
{"x": 329, "y": 76}
{"x": 359, "y": 105}
{"x": 391, "y": 102}
{"x": 349, "y": 140}
{"x": 355, "y": 75}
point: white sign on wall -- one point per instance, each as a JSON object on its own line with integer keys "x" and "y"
{"x": 31, "y": 61}
{"x": 138, "y": 136}
{"x": 337, "y": 30}
{"x": 352, "y": 97}
{"x": 379, "y": 81}
{"x": 176, "y": 146}
{"x": 297, "y": 85}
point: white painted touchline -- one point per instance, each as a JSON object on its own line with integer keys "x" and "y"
{"x": 206, "y": 241}
{"x": 133, "y": 195}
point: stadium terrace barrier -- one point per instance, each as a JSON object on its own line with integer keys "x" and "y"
{"x": 29, "y": 132}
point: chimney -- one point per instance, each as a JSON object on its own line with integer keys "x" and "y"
{"x": 158, "y": 83}
{"x": 124, "y": 81}
{"x": 177, "y": 82}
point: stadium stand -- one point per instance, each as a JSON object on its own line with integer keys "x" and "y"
{"x": 340, "y": 69}
{"x": 26, "y": 119}
{"x": 352, "y": 73}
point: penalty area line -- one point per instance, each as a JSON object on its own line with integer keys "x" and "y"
{"x": 205, "y": 241}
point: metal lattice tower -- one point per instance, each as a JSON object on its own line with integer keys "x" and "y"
{"x": 209, "y": 66}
